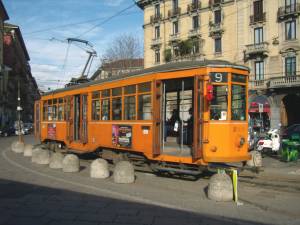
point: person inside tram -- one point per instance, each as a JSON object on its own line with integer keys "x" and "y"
{"x": 190, "y": 127}
{"x": 172, "y": 124}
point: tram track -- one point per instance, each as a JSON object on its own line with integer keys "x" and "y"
{"x": 291, "y": 186}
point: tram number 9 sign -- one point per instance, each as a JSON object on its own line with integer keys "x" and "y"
{"x": 218, "y": 77}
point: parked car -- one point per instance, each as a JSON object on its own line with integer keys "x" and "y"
{"x": 7, "y": 131}
{"x": 27, "y": 128}
{"x": 288, "y": 132}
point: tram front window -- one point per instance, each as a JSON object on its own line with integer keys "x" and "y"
{"x": 218, "y": 107}
{"x": 238, "y": 102}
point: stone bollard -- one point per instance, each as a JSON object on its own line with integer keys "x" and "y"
{"x": 40, "y": 156}
{"x": 99, "y": 169}
{"x": 56, "y": 160}
{"x": 70, "y": 163}
{"x": 17, "y": 147}
{"x": 220, "y": 188}
{"x": 124, "y": 173}
{"x": 256, "y": 159}
{"x": 28, "y": 150}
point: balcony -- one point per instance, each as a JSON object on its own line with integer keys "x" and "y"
{"x": 255, "y": 50}
{"x": 194, "y": 33}
{"x": 174, "y": 37}
{"x": 215, "y": 29}
{"x": 258, "y": 84}
{"x": 285, "y": 82}
{"x": 191, "y": 8}
{"x": 155, "y": 18}
{"x": 288, "y": 11}
{"x": 189, "y": 57}
{"x": 174, "y": 12}
{"x": 258, "y": 18}
{"x": 156, "y": 42}
{"x": 215, "y": 3}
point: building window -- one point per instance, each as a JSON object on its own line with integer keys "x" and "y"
{"x": 258, "y": 10}
{"x": 157, "y": 10}
{"x": 176, "y": 50}
{"x": 258, "y": 35}
{"x": 290, "y": 66}
{"x": 157, "y": 32}
{"x": 290, "y": 6}
{"x": 218, "y": 45}
{"x": 175, "y": 5}
{"x": 218, "y": 16}
{"x": 195, "y": 22}
{"x": 195, "y": 46}
{"x": 290, "y": 30}
{"x": 195, "y": 3}
{"x": 175, "y": 27}
{"x": 259, "y": 70}
{"x": 157, "y": 56}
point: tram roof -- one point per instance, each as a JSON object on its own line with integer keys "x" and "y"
{"x": 168, "y": 67}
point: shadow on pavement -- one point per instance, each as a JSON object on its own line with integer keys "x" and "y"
{"x": 22, "y": 204}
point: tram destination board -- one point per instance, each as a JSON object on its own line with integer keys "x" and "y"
{"x": 122, "y": 136}
{"x": 218, "y": 77}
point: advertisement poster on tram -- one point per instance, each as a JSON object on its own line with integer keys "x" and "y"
{"x": 51, "y": 131}
{"x": 122, "y": 136}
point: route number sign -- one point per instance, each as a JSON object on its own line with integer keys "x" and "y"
{"x": 218, "y": 77}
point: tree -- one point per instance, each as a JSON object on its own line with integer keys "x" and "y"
{"x": 123, "y": 47}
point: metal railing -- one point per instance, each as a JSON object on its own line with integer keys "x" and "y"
{"x": 288, "y": 10}
{"x": 174, "y": 12}
{"x": 194, "y": 7}
{"x": 155, "y": 18}
{"x": 258, "y": 18}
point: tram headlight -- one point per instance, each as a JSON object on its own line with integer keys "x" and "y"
{"x": 242, "y": 141}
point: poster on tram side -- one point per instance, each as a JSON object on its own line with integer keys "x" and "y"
{"x": 122, "y": 136}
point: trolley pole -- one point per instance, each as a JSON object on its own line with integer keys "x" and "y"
{"x": 19, "y": 108}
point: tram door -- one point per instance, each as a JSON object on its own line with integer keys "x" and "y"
{"x": 77, "y": 118}
{"x": 178, "y": 114}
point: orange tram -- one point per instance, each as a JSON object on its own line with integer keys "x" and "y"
{"x": 178, "y": 117}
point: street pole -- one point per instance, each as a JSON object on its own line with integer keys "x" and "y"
{"x": 19, "y": 114}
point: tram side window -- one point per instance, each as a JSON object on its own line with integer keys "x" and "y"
{"x": 219, "y": 105}
{"x": 144, "y": 101}
{"x": 117, "y": 108}
{"x": 144, "y": 112}
{"x": 54, "y": 110}
{"x": 130, "y": 102}
{"x": 45, "y": 112}
{"x": 238, "y": 102}
{"x": 49, "y": 110}
{"x": 60, "y": 109}
{"x": 96, "y": 105}
{"x": 105, "y": 104}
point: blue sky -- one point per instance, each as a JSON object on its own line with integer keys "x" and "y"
{"x": 42, "y": 20}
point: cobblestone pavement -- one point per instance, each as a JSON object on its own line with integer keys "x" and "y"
{"x": 33, "y": 194}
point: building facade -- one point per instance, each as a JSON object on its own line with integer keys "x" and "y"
{"x": 17, "y": 79}
{"x": 117, "y": 68}
{"x": 261, "y": 34}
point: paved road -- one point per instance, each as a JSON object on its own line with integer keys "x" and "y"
{"x": 33, "y": 194}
